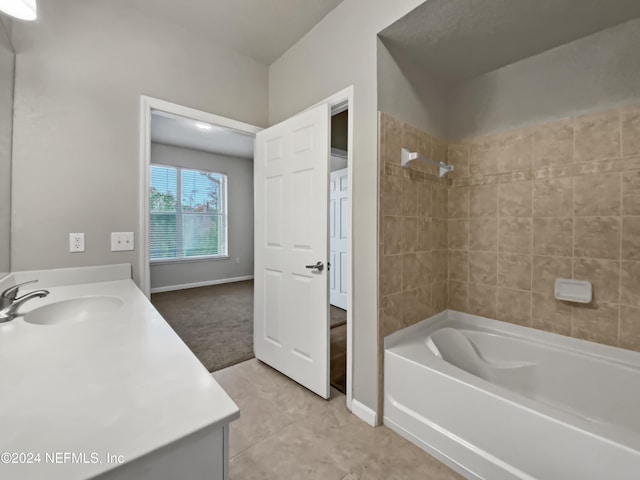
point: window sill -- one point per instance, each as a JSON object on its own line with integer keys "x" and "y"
{"x": 169, "y": 261}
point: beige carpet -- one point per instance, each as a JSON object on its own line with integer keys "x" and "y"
{"x": 216, "y": 322}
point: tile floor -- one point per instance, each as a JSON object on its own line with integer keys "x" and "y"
{"x": 286, "y": 432}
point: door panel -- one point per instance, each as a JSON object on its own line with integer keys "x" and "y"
{"x": 338, "y": 238}
{"x": 291, "y": 322}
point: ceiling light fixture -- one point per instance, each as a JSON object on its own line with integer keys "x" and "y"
{"x": 203, "y": 126}
{"x": 21, "y": 9}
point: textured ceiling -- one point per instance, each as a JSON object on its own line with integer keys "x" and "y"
{"x": 459, "y": 39}
{"x": 260, "y": 29}
{"x": 183, "y": 132}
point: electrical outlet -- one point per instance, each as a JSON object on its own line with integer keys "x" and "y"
{"x": 122, "y": 241}
{"x": 76, "y": 242}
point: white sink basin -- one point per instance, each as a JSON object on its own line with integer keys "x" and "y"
{"x": 74, "y": 310}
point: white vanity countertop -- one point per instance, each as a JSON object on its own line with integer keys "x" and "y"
{"x": 122, "y": 385}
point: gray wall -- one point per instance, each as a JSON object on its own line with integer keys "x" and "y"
{"x": 6, "y": 117}
{"x": 341, "y": 51}
{"x": 593, "y": 73}
{"x": 405, "y": 92}
{"x": 239, "y": 173}
{"x": 80, "y": 71}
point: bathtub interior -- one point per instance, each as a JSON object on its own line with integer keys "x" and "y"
{"x": 594, "y": 387}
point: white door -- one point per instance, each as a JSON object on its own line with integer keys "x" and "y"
{"x": 338, "y": 235}
{"x": 291, "y": 321}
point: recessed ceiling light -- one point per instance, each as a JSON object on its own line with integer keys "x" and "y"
{"x": 204, "y": 126}
{"x": 21, "y": 9}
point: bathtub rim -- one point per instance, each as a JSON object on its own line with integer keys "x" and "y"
{"x": 417, "y": 334}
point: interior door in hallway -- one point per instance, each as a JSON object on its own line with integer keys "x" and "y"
{"x": 338, "y": 235}
{"x": 291, "y": 318}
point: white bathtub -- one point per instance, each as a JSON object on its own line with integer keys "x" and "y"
{"x": 521, "y": 403}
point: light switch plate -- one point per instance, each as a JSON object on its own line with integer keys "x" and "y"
{"x": 122, "y": 241}
{"x": 76, "y": 242}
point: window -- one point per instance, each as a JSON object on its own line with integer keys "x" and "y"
{"x": 188, "y": 213}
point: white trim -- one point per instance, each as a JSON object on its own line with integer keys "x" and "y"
{"x": 184, "y": 286}
{"x": 364, "y": 413}
{"x": 338, "y": 102}
{"x": 146, "y": 105}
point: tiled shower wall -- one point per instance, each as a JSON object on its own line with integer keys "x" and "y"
{"x": 558, "y": 200}
{"x": 413, "y": 231}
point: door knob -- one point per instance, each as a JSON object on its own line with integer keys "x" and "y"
{"x": 318, "y": 266}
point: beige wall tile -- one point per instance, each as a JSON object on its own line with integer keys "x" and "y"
{"x": 604, "y": 275}
{"x": 553, "y": 236}
{"x": 483, "y": 234}
{"x": 391, "y": 195}
{"x": 514, "y": 271}
{"x": 391, "y": 314}
{"x": 629, "y": 328}
{"x": 597, "y": 136}
{"x": 514, "y": 306}
{"x": 550, "y": 314}
{"x": 458, "y": 296}
{"x": 392, "y": 235}
{"x": 390, "y": 274}
{"x": 631, "y": 193}
{"x": 482, "y": 160}
{"x": 459, "y": 157}
{"x": 458, "y": 266}
{"x": 596, "y": 237}
{"x": 630, "y": 284}
{"x": 410, "y": 271}
{"x": 411, "y": 307}
{"x": 545, "y": 272}
{"x": 440, "y": 296}
{"x": 425, "y": 268}
{"x": 483, "y": 201}
{"x": 439, "y": 203}
{"x": 483, "y": 268}
{"x": 439, "y": 228}
{"x": 440, "y": 267}
{"x": 458, "y": 232}
{"x": 599, "y": 324}
{"x": 515, "y": 151}
{"x": 515, "y": 199}
{"x": 426, "y": 234}
{"x": 439, "y": 153}
{"x": 631, "y": 238}
{"x": 597, "y": 195}
{"x": 515, "y": 235}
{"x": 631, "y": 131}
{"x": 553, "y": 197}
{"x": 553, "y": 144}
{"x": 458, "y": 202}
{"x": 410, "y": 197}
{"x": 411, "y": 140}
{"x": 424, "y": 200}
{"x": 483, "y": 300}
{"x": 409, "y": 227}
{"x": 392, "y": 139}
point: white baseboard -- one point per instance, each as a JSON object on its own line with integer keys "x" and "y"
{"x": 208, "y": 283}
{"x": 364, "y": 413}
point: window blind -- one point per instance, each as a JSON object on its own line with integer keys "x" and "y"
{"x": 188, "y": 213}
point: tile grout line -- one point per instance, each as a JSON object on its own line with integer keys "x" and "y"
{"x": 621, "y": 232}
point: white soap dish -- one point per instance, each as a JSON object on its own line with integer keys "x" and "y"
{"x": 573, "y": 290}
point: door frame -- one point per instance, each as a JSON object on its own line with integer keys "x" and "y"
{"x": 338, "y": 102}
{"x": 147, "y": 104}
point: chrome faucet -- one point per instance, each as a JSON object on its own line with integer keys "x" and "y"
{"x": 10, "y": 302}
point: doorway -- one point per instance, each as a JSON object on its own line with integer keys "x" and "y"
{"x": 341, "y": 100}
{"x": 338, "y": 247}
{"x": 198, "y": 240}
